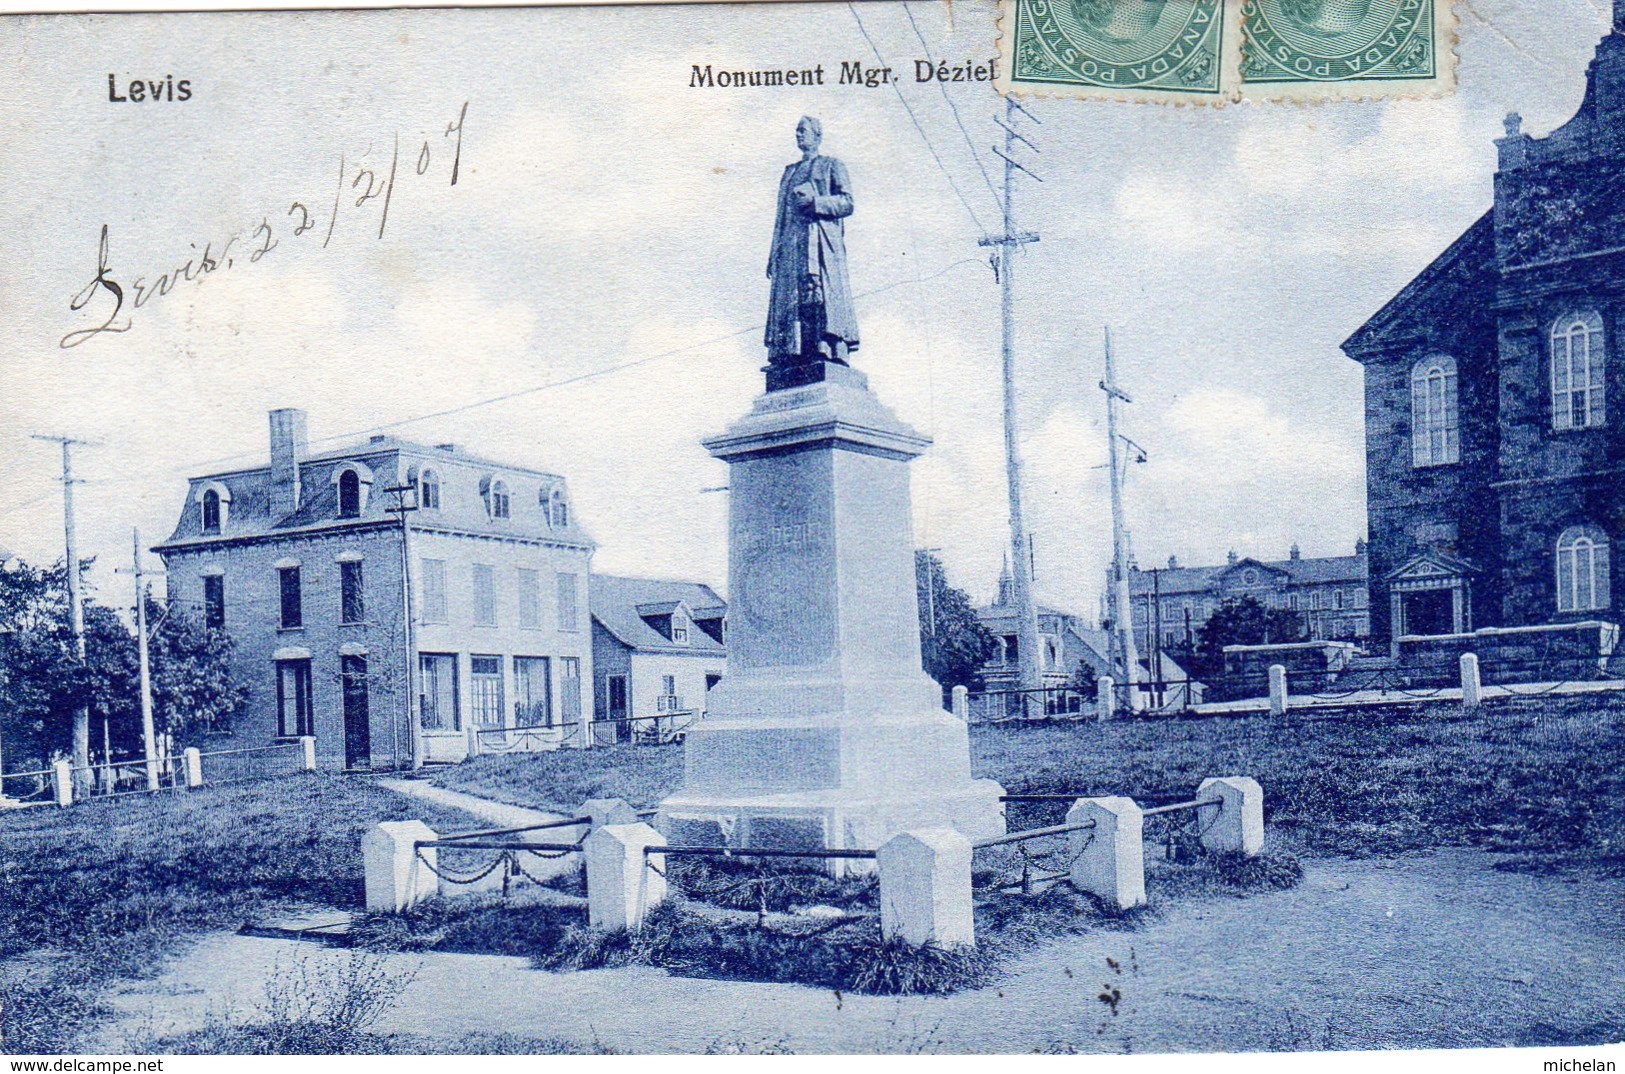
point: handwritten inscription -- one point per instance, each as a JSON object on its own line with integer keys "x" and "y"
{"x": 363, "y": 188}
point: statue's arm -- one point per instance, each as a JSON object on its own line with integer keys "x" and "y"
{"x": 838, "y": 202}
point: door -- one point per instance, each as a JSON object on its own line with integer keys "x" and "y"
{"x": 618, "y": 705}
{"x": 357, "y": 724}
{"x": 1429, "y": 611}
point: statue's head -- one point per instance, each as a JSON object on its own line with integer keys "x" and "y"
{"x": 809, "y": 132}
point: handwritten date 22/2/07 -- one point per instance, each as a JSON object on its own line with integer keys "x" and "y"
{"x": 363, "y": 188}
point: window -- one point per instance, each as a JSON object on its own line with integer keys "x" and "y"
{"x": 434, "y": 591}
{"x": 295, "y": 717}
{"x": 668, "y": 701}
{"x": 679, "y": 629}
{"x": 485, "y": 690}
{"x": 533, "y": 692}
{"x": 570, "y": 688}
{"x": 567, "y": 601}
{"x": 293, "y": 612}
{"x": 1582, "y": 570}
{"x": 1249, "y": 577}
{"x": 352, "y": 604}
{"x": 1435, "y": 433}
{"x": 499, "y": 504}
{"x": 1577, "y": 371}
{"x": 349, "y": 494}
{"x": 429, "y": 491}
{"x": 211, "y": 511}
{"x": 214, "y": 601}
{"x": 559, "y": 510}
{"x": 485, "y": 596}
{"x": 1292, "y": 601}
{"x": 530, "y": 598}
{"x": 437, "y": 692}
{"x": 1337, "y": 600}
{"x": 1012, "y": 652}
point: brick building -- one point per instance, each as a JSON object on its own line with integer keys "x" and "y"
{"x": 301, "y": 561}
{"x": 1172, "y": 604}
{"x": 1494, "y": 448}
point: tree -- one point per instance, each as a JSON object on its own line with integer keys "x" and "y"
{"x": 1244, "y": 621}
{"x": 42, "y": 680}
{"x": 953, "y": 642}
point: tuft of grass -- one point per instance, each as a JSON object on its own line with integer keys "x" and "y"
{"x": 561, "y": 780}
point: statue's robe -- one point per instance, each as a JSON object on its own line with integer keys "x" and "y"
{"x": 811, "y": 296}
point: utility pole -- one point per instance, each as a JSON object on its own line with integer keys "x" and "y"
{"x": 413, "y": 717}
{"x": 930, "y": 589}
{"x": 76, "y": 609}
{"x": 147, "y": 735}
{"x": 1027, "y": 654}
{"x": 1122, "y": 610}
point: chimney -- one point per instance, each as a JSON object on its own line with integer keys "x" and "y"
{"x": 288, "y": 443}
{"x": 1295, "y": 553}
{"x": 1173, "y": 563}
{"x": 1231, "y": 558}
{"x": 1359, "y": 547}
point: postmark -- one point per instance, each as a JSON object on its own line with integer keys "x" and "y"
{"x": 1329, "y": 49}
{"x": 1177, "y": 51}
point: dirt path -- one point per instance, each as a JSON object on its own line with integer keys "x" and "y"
{"x": 1434, "y": 950}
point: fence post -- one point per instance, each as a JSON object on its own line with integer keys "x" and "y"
{"x": 925, "y": 888}
{"x": 962, "y": 703}
{"x": 1108, "y": 861}
{"x": 605, "y": 811}
{"x": 194, "y": 767}
{"x": 62, "y": 782}
{"x": 621, "y": 884}
{"x": 308, "y": 744}
{"x": 1472, "y": 687}
{"x": 1105, "y": 689}
{"x": 1277, "y": 690}
{"x": 396, "y": 877}
{"x": 1237, "y": 823}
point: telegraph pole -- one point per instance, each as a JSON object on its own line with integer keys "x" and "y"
{"x": 1122, "y": 610}
{"x": 1027, "y": 654}
{"x": 76, "y": 609}
{"x": 147, "y": 736}
{"x": 413, "y": 717}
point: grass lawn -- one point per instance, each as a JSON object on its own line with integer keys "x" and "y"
{"x": 1536, "y": 779}
{"x": 105, "y": 890}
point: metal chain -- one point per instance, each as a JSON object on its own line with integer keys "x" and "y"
{"x": 451, "y": 879}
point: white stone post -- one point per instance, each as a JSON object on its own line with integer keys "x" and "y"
{"x": 962, "y": 703}
{"x": 1472, "y": 687}
{"x": 925, "y": 888}
{"x": 621, "y": 886}
{"x": 307, "y": 743}
{"x": 605, "y": 811}
{"x": 1104, "y": 689}
{"x": 396, "y": 878}
{"x": 1236, "y": 824}
{"x": 62, "y": 781}
{"x": 194, "y": 766}
{"x": 1277, "y": 690}
{"x": 1109, "y": 859}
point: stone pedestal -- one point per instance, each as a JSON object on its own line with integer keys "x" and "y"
{"x": 826, "y": 731}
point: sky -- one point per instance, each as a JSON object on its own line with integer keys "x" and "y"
{"x": 598, "y": 268}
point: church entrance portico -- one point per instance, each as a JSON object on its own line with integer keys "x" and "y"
{"x": 1429, "y": 595}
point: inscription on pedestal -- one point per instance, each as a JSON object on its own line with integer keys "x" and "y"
{"x": 783, "y": 564}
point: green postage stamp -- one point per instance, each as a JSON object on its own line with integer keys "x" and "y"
{"x": 1213, "y": 51}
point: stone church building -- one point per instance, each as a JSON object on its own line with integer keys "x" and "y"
{"x": 1495, "y": 424}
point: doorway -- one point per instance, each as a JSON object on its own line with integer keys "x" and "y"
{"x": 357, "y": 720}
{"x": 615, "y": 687}
{"x": 1429, "y": 611}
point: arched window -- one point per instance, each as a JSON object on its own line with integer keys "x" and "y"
{"x": 1582, "y": 570}
{"x": 1249, "y": 576}
{"x": 211, "y": 511}
{"x": 499, "y": 499}
{"x": 1435, "y": 431}
{"x": 349, "y": 494}
{"x": 429, "y": 491}
{"x": 1577, "y": 371}
{"x": 560, "y": 509}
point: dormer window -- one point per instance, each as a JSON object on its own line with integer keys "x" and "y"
{"x": 679, "y": 629}
{"x": 214, "y": 505}
{"x": 211, "y": 511}
{"x": 429, "y": 491}
{"x": 498, "y": 500}
{"x": 558, "y": 511}
{"x": 351, "y": 483}
{"x": 349, "y": 494}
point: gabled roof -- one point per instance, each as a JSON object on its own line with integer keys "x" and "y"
{"x": 1461, "y": 267}
{"x": 618, "y": 606}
